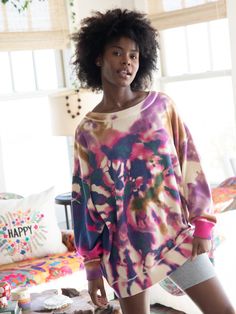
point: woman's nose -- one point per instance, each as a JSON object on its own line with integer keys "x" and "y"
{"x": 126, "y": 61}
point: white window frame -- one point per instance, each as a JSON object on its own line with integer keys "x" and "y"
{"x": 61, "y": 79}
{"x": 231, "y": 13}
{"x": 231, "y": 16}
{"x": 164, "y": 78}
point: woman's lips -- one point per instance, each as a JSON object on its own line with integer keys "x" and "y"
{"x": 124, "y": 73}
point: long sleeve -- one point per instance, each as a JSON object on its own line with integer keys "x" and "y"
{"x": 88, "y": 224}
{"x": 196, "y": 194}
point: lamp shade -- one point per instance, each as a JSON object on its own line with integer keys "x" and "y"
{"x": 68, "y": 107}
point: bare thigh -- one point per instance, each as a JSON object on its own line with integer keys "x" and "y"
{"x": 136, "y": 304}
{"x": 210, "y": 297}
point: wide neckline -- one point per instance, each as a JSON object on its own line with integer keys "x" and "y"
{"x": 142, "y": 105}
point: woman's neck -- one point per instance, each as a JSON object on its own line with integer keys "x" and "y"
{"x": 117, "y": 100}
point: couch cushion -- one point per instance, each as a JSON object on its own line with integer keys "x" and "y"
{"x": 28, "y": 228}
{"x": 224, "y": 195}
{"x": 40, "y": 270}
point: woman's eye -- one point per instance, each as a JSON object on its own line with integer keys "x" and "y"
{"x": 133, "y": 57}
{"x": 116, "y": 53}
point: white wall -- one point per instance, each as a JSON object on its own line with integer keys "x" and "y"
{"x": 2, "y": 176}
{"x": 33, "y": 164}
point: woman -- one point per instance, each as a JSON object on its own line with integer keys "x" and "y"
{"x": 141, "y": 203}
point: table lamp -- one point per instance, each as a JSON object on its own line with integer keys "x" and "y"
{"x": 68, "y": 107}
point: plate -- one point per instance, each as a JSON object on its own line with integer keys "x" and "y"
{"x": 57, "y": 302}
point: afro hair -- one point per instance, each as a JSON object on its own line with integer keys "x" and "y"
{"x": 102, "y": 28}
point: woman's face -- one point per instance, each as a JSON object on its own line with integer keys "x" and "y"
{"x": 119, "y": 62}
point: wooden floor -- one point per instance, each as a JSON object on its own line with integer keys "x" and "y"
{"x": 160, "y": 309}
{"x": 82, "y": 301}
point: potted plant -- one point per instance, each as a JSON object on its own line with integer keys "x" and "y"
{"x": 19, "y": 5}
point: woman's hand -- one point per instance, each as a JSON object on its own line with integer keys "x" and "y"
{"x": 93, "y": 287}
{"x": 200, "y": 246}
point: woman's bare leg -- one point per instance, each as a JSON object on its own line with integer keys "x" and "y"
{"x": 136, "y": 304}
{"x": 210, "y": 297}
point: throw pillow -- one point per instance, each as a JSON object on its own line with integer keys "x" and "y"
{"x": 224, "y": 195}
{"x": 231, "y": 181}
{"x": 7, "y": 196}
{"x": 224, "y": 199}
{"x": 28, "y": 228}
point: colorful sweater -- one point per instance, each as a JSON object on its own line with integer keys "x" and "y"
{"x": 138, "y": 190}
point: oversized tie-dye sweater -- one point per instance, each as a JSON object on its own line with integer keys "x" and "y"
{"x": 138, "y": 189}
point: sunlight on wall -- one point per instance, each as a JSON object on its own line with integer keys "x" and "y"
{"x": 207, "y": 107}
{"x": 25, "y": 116}
{"x": 34, "y": 163}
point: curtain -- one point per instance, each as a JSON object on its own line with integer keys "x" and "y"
{"x": 44, "y": 24}
{"x": 166, "y": 14}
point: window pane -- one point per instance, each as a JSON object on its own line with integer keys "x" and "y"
{"x": 207, "y": 107}
{"x": 170, "y": 5}
{"x": 16, "y": 21}
{"x": 1, "y": 18}
{"x": 174, "y": 51}
{"x": 196, "y": 48}
{"x": 192, "y": 3}
{"x": 5, "y": 74}
{"x": 45, "y": 66}
{"x": 198, "y": 44}
{"x": 23, "y": 71}
{"x": 40, "y": 16}
{"x": 220, "y": 44}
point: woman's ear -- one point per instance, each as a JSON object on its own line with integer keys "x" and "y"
{"x": 99, "y": 61}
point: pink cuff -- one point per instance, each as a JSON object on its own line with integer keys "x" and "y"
{"x": 203, "y": 228}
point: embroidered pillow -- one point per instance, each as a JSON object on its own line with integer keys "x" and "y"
{"x": 28, "y": 228}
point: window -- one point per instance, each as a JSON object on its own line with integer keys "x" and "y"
{"x": 32, "y": 46}
{"x": 28, "y": 71}
{"x": 28, "y": 77}
{"x": 198, "y": 48}
{"x": 206, "y": 105}
{"x": 196, "y": 73}
{"x": 200, "y": 83}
